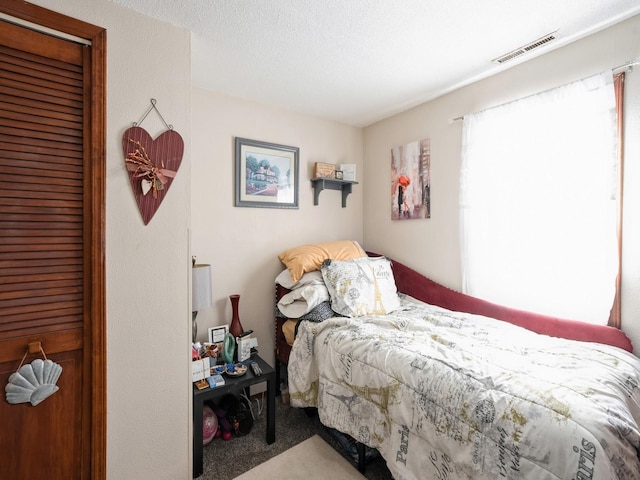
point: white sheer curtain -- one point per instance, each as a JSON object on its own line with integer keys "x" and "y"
{"x": 538, "y": 202}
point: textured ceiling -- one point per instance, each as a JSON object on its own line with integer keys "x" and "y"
{"x": 359, "y": 61}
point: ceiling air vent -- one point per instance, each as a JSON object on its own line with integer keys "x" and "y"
{"x": 527, "y": 48}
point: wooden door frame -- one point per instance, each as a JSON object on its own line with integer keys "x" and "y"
{"x": 94, "y": 356}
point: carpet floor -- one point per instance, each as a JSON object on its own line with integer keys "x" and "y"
{"x": 226, "y": 460}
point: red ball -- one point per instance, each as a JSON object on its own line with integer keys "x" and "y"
{"x": 218, "y": 433}
{"x": 226, "y": 435}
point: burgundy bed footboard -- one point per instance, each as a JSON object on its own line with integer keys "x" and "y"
{"x": 412, "y": 283}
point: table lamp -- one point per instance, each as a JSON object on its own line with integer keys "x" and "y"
{"x": 200, "y": 293}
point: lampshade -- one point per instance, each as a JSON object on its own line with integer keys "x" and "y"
{"x": 201, "y": 287}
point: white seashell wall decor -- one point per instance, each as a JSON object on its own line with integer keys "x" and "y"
{"x": 33, "y": 383}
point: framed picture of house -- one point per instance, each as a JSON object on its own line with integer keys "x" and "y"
{"x": 266, "y": 174}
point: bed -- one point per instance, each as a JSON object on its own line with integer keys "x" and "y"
{"x": 447, "y": 386}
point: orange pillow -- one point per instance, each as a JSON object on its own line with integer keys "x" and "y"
{"x": 307, "y": 258}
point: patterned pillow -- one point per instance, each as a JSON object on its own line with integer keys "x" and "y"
{"x": 320, "y": 313}
{"x": 361, "y": 286}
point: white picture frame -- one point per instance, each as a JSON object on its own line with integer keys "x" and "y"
{"x": 217, "y": 334}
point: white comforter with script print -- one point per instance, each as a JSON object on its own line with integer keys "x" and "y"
{"x": 447, "y": 395}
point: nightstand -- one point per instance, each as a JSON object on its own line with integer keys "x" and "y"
{"x": 233, "y": 385}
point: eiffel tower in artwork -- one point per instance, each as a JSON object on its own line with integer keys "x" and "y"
{"x": 378, "y": 306}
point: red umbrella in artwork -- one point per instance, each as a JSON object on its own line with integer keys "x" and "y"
{"x": 404, "y": 181}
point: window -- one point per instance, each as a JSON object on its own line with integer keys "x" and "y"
{"x": 539, "y": 202}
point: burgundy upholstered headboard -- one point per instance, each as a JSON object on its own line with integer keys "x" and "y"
{"x": 418, "y": 286}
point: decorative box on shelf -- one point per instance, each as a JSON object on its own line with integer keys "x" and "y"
{"x": 324, "y": 170}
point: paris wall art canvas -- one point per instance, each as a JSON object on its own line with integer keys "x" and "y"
{"x": 411, "y": 180}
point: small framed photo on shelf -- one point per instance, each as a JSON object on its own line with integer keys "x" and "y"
{"x": 324, "y": 170}
{"x": 338, "y": 174}
{"x": 348, "y": 171}
{"x": 266, "y": 174}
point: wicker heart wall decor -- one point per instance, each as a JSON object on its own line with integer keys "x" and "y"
{"x": 152, "y": 166}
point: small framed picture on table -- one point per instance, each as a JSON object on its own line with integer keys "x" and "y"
{"x": 338, "y": 174}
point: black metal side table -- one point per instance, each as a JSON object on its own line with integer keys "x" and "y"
{"x": 232, "y": 385}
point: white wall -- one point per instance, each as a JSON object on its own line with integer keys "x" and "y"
{"x": 242, "y": 244}
{"x": 432, "y": 246}
{"x": 148, "y": 267}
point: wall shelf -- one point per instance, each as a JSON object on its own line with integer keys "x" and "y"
{"x": 320, "y": 184}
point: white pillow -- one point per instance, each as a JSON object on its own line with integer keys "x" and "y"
{"x": 309, "y": 278}
{"x": 361, "y": 286}
{"x": 302, "y": 300}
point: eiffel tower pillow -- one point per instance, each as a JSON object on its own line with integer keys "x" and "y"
{"x": 361, "y": 286}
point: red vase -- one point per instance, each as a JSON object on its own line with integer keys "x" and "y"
{"x": 235, "y": 328}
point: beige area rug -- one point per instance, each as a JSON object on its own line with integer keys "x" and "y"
{"x": 313, "y": 459}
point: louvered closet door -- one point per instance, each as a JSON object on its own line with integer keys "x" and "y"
{"x": 43, "y": 270}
